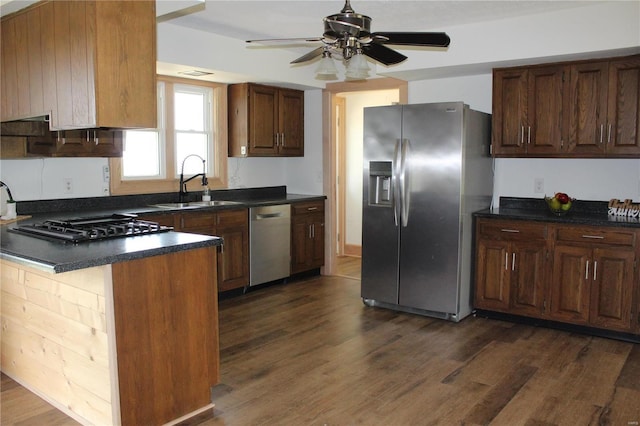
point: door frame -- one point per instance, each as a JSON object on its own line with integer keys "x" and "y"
{"x": 329, "y": 152}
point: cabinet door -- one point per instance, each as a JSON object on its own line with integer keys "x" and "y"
{"x": 9, "y": 70}
{"x": 263, "y": 120}
{"x": 197, "y": 223}
{"x": 317, "y": 241}
{"x": 300, "y": 235}
{"x": 528, "y": 278}
{"x": 588, "y": 108}
{"x": 570, "y": 284}
{"x": 291, "y": 122}
{"x": 509, "y": 111}
{"x": 612, "y": 288}
{"x": 493, "y": 273}
{"x": 233, "y": 255}
{"x": 544, "y": 130}
{"x": 623, "y": 129}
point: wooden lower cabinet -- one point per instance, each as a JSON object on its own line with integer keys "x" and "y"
{"x": 593, "y": 278}
{"x": 590, "y": 277}
{"x": 511, "y": 265}
{"x": 233, "y": 258}
{"x": 232, "y": 226}
{"x": 307, "y": 236}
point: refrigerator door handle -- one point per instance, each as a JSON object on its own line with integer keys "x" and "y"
{"x": 395, "y": 168}
{"x": 404, "y": 182}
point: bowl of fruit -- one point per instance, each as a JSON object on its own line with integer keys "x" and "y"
{"x": 560, "y": 203}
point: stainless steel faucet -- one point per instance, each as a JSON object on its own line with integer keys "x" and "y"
{"x": 183, "y": 183}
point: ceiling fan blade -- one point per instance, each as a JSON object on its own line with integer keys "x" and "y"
{"x": 383, "y": 54}
{"x": 413, "y": 39}
{"x": 285, "y": 40}
{"x": 309, "y": 56}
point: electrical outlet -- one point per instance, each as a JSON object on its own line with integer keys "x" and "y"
{"x": 105, "y": 174}
{"x": 538, "y": 185}
{"x": 105, "y": 191}
{"x": 68, "y": 185}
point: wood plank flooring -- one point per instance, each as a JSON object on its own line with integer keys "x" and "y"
{"x": 310, "y": 353}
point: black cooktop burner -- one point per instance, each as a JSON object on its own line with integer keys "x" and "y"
{"x": 91, "y": 229}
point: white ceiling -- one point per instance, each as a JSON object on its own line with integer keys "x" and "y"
{"x": 303, "y": 18}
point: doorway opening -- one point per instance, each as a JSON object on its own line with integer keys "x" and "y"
{"x": 343, "y": 104}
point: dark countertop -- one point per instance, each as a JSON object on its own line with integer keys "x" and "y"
{"x": 60, "y": 257}
{"x": 592, "y": 213}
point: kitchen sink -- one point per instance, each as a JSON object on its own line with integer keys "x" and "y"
{"x": 195, "y": 204}
{"x": 213, "y": 203}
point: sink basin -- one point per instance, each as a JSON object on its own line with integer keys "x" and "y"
{"x": 213, "y": 203}
{"x": 196, "y": 204}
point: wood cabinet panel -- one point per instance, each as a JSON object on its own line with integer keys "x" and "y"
{"x": 580, "y": 109}
{"x": 307, "y": 236}
{"x": 166, "y": 335}
{"x": 612, "y": 289}
{"x": 77, "y": 143}
{"x": 511, "y": 266}
{"x": 265, "y": 121}
{"x": 588, "y": 114}
{"x": 570, "y": 288}
{"x": 583, "y": 275}
{"x": 88, "y": 64}
{"x": 623, "y": 133}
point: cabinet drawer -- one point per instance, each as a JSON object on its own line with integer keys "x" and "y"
{"x": 230, "y": 218}
{"x": 308, "y": 207}
{"x": 595, "y": 236}
{"x": 200, "y": 220}
{"x": 511, "y": 230}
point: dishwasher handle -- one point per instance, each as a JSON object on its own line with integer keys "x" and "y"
{"x": 261, "y": 216}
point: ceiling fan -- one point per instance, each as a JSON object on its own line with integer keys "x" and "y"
{"x": 348, "y": 34}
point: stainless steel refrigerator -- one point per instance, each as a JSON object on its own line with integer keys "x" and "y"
{"x": 427, "y": 168}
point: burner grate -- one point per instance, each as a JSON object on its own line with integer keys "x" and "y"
{"x": 91, "y": 229}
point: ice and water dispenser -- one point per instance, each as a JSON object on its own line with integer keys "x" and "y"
{"x": 380, "y": 192}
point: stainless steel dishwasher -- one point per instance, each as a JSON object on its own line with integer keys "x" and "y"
{"x": 269, "y": 243}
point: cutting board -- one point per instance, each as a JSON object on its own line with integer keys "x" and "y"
{"x": 15, "y": 219}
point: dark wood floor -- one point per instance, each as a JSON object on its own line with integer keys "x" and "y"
{"x": 310, "y": 353}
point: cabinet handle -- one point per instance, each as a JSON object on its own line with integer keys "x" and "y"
{"x": 87, "y": 136}
{"x": 586, "y": 273}
{"x": 310, "y": 209}
{"x": 595, "y": 269}
{"x": 62, "y": 140}
{"x": 528, "y": 135}
{"x": 593, "y": 237}
{"x": 506, "y": 261}
{"x": 601, "y": 132}
{"x": 510, "y": 230}
{"x": 95, "y": 137}
{"x": 513, "y": 261}
{"x": 521, "y": 134}
{"x": 310, "y": 232}
{"x": 609, "y": 134}
{"x": 313, "y": 229}
{"x": 282, "y": 138}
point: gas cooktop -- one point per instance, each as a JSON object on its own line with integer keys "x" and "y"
{"x": 91, "y": 229}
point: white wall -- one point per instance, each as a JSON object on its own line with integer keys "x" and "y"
{"x": 44, "y": 179}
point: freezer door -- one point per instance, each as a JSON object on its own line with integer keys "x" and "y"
{"x": 429, "y": 243}
{"x": 380, "y": 235}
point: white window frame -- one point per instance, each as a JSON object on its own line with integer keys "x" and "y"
{"x": 217, "y": 168}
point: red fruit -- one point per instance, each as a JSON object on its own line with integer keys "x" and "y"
{"x": 562, "y": 197}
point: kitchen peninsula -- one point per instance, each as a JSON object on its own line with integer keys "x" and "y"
{"x": 115, "y": 331}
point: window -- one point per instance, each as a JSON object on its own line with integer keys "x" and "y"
{"x": 192, "y": 117}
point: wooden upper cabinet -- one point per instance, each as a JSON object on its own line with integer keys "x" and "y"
{"x": 509, "y": 111}
{"x": 528, "y": 110}
{"x": 88, "y": 64}
{"x": 265, "y": 121}
{"x": 572, "y": 109}
{"x": 588, "y": 111}
{"x": 623, "y": 138}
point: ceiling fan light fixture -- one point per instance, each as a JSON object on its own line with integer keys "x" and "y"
{"x": 357, "y": 67}
{"x": 326, "y": 68}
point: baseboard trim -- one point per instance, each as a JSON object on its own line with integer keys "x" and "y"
{"x": 352, "y": 250}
